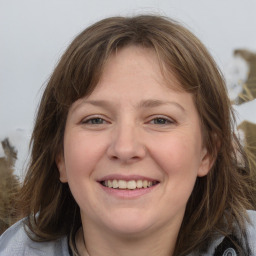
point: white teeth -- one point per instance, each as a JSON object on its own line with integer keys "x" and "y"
{"x": 131, "y": 184}
{"x": 122, "y": 184}
{"x": 115, "y": 184}
{"x": 139, "y": 183}
{"x": 145, "y": 184}
{"x": 109, "y": 184}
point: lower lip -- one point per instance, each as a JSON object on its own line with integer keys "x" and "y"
{"x": 128, "y": 193}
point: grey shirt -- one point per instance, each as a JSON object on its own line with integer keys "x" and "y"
{"x": 15, "y": 242}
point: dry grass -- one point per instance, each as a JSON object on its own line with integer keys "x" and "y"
{"x": 9, "y": 187}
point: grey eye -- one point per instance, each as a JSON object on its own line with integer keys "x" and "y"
{"x": 160, "y": 120}
{"x": 95, "y": 120}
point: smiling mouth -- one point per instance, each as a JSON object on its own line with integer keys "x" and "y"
{"x": 129, "y": 185}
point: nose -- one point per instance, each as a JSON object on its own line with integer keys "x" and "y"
{"x": 126, "y": 144}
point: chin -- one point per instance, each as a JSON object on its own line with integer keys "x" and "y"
{"x": 130, "y": 223}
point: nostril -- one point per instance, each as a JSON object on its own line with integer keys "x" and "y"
{"x": 114, "y": 157}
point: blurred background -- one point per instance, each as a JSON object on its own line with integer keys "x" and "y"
{"x": 34, "y": 34}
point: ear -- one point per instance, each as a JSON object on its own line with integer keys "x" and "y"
{"x": 206, "y": 163}
{"x": 60, "y": 162}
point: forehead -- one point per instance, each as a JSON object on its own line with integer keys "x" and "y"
{"x": 138, "y": 66}
{"x": 133, "y": 74}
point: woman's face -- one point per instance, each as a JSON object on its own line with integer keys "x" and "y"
{"x": 133, "y": 149}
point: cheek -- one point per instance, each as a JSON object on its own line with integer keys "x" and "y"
{"x": 180, "y": 161}
{"x": 82, "y": 154}
{"x": 178, "y": 155}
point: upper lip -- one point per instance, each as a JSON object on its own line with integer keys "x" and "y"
{"x": 125, "y": 177}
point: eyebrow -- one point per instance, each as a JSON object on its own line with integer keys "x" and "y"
{"x": 150, "y": 103}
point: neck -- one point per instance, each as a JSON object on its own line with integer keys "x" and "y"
{"x": 106, "y": 244}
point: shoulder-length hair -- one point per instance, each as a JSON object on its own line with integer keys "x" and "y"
{"x": 218, "y": 201}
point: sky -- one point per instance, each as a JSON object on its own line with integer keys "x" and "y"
{"x": 34, "y": 34}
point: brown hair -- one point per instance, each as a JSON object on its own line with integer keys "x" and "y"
{"x": 218, "y": 200}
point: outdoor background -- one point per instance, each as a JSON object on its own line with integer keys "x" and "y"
{"x": 34, "y": 34}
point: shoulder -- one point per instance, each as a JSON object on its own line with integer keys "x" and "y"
{"x": 224, "y": 246}
{"x": 14, "y": 241}
{"x": 227, "y": 247}
{"x": 251, "y": 231}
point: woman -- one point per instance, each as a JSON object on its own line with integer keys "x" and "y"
{"x": 133, "y": 151}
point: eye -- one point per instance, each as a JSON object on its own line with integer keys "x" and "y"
{"x": 94, "y": 121}
{"x": 161, "y": 121}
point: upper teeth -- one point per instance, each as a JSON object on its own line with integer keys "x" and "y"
{"x": 131, "y": 184}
